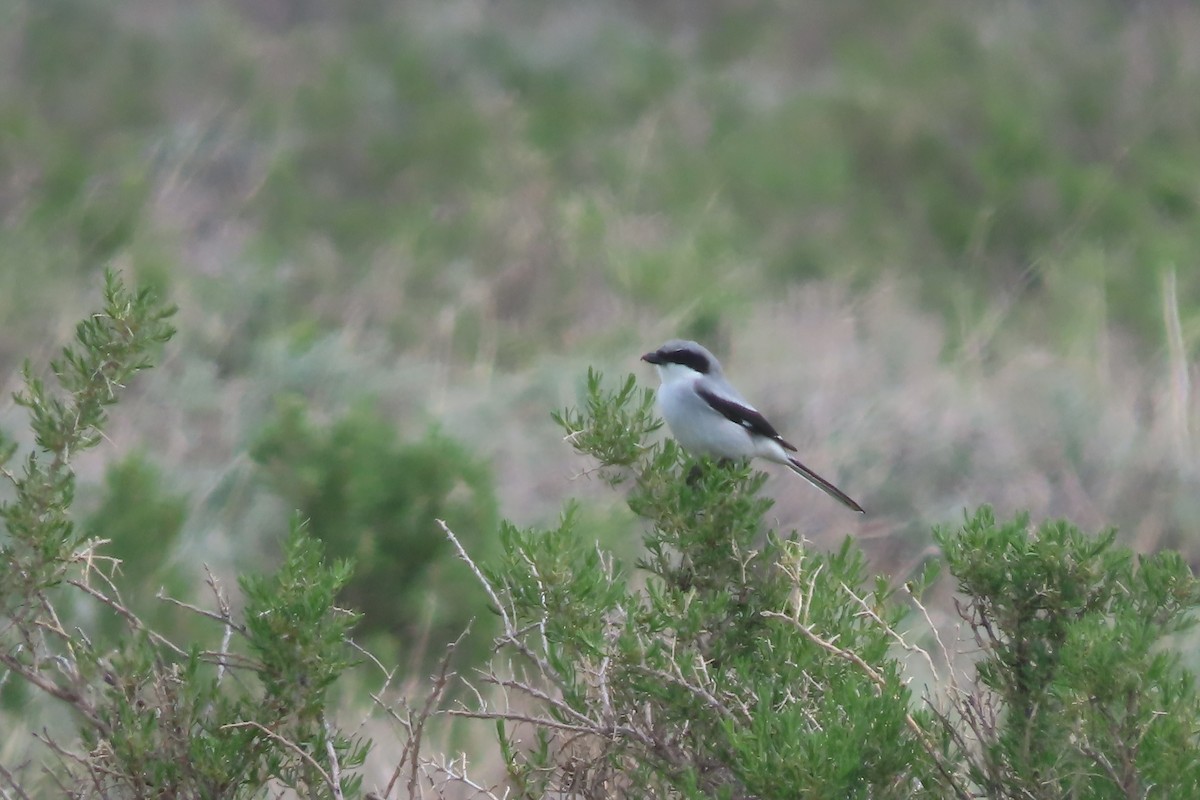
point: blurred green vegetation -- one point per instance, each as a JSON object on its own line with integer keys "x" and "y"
{"x": 414, "y": 201}
{"x": 1018, "y": 156}
{"x": 139, "y": 516}
{"x": 376, "y": 502}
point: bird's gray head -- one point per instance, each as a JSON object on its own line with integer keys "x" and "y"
{"x": 686, "y": 354}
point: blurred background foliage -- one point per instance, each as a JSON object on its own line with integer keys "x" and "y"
{"x": 950, "y": 247}
{"x": 376, "y": 502}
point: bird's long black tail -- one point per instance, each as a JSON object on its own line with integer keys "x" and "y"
{"x": 824, "y": 485}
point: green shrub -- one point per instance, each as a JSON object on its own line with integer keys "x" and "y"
{"x": 152, "y": 718}
{"x": 140, "y": 520}
{"x": 730, "y": 661}
{"x": 734, "y": 662}
{"x": 375, "y": 500}
{"x": 1077, "y": 639}
{"x": 139, "y": 516}
{"x": 174, "y": 722}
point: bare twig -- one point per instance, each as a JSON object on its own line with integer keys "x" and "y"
{"x": 459, "y": 776}
{"x": 334, "y": 788}
{"x": 511, "y": 635}
{"x": 543, "y": 696}
{"x": 541, "y": 623}
{"x": 416, "y": 727}
{"x": 134, "y": 621}
{"x": 742, "y": 713}
{"x": 487, "y": 586}
{"x": 540, "y": 722}
{"x": 335, "y": 768}
{"x": 896, "y": 636}
{"x": 937, "y": 636}
{"x": 204, "y": 612}
{"x": 69, "y": 696}
{"x": 226, "y": 614}
{"x": 18, "y": 793}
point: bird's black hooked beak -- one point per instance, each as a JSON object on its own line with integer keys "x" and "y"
{"x": 652, "y": 358}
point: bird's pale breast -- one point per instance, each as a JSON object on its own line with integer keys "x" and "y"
{"x": 698, "y": 428}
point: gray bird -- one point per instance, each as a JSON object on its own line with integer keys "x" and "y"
{"x": 708, "y": 417}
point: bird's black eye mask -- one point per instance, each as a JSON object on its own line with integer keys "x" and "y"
{"x": 687, "y": 358}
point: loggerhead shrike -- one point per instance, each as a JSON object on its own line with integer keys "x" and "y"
{"x": 707, "y": 416}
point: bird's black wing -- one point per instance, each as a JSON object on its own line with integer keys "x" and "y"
{"x": 743, "y": 415}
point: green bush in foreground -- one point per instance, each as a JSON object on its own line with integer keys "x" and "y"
{"x": 730, "y": 662}
{"x": 1076, "y": 651}
{"x": 155, "y": 718}
{"x": 735, "y": 662}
